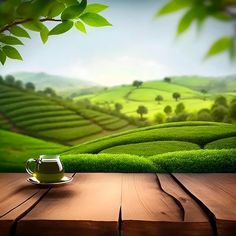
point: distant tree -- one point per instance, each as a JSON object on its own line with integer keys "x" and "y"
{"x": 19, "y": 84}
{"x": 204, "y": 92}
{"x": 1, "y": 79}
{"x": 159, "y": 98}
{"x": 49, "y": 92}
{"x": 176, "y": 96}
{"x": 167, "y": 79}
{"x": 142, "y": 110}
{"x": 30, "y": 86}
{"x": 204, "y": 115}
{"x": 10, "y": 80}
{"x": 232, "y": 110}
{"x": 179, "y": 108}
{"x": 168, "y": 110}
{"x": 137, "y": 83}
{"x": 159, "y": 118}
{"x": 221, "y": 101}
{"x": 118, "y": 107}
{"x": 218, "y": 113}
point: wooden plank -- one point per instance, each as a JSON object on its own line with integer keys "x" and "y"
{"x": 89, "y": 205}
{"x": 193, "y": 213}
{"x": 148, "y": 210}
{"x": 218, "y": 193}
{"x": 17, "y": 197}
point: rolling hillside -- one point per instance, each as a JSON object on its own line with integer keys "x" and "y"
{"x": 53, "y": 119}
{"x": 173, "y": 147}
{"x": 61, "y": 84}
{"x": 15, "y": 149}
{"x": 189, "y": 88}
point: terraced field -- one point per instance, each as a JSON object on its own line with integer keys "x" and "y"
{"x": 15, "y": 149}
{"x": 131, "y": 97}
{"x": 48, "y": 118}
{"x": 180, "y": 147}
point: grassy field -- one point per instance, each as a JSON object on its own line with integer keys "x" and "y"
{"x": 189, "y": 88}
{"x": 52, "y": 119}
{"x": 175, "y": 147}
{"x": 15, "y": 149}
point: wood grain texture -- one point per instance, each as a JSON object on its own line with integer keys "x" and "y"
{"x": 16, "y": 198}
{"x": 89, "y": 205}
{"x": 148, "y": 210}
{"x": 218, "y": 193}
{"x": 192, "y": 211}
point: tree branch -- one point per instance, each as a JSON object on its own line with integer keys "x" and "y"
{"x": 7, "y": 27}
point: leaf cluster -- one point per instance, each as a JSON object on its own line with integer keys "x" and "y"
{"x": 19, "y": 17}
{"x": 198, "y": 11}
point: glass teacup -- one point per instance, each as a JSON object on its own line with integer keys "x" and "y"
{"x": 48, "y": 168}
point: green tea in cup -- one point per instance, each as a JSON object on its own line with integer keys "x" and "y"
{"x": 47, "y": 168}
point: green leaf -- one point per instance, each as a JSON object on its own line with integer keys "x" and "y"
{"x": 11, "y": 40}
{"x": 3, "y": 57}
{"x": 232, "y": 49}
{"x": 34, "y": 25}
{"x": 222, "y": 16}
{"x": 186, "y": 21}
{"x": 80, "y": 26}
{"x": 44, "y": 34}
{"x": 55, "y": 9}
{"x": 219, "y": 46}
{"x": 173, "y": 6}
{"x": 12, "y": 53}
{"x": 61, "y": 28}
{"x": 18, "y": 31}
{"x": 96, "y": 8}
{"x": 74, "y": 11}
{"x": 93, "y": 19}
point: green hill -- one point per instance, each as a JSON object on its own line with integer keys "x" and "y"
{"x": 61, "y": 84}
{"x": 211, "y": 84}
{"x": 15, "y": 149}
{"x": 189, "y": 88}
{"x": 53, "y": 119}
{"x": 180, "y": 147}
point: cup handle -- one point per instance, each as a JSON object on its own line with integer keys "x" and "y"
{"x": 27, "y": 165}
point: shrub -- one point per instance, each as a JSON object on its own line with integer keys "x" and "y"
{"x": 159, "y": 118}
{"x": 151, "y": 148}
{"x": 198, "y": 161}
{"x": 225, "y": 143}
{"x": 218, "y": 113}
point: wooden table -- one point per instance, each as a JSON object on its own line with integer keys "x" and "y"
{"x": 120, "y": 204}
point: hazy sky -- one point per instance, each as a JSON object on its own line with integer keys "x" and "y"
{"x": 136, "y": 47}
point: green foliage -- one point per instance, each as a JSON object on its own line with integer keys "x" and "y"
{"x": 225, "y": 143}
{"x": 15, "y": 149}
{"x": 142, "y": 110}
{"x": 20, "y": 17}
{"x": 198, "y": 11}
{"x": 94, "y": 19}
{"x": 197, "y": 161}
{"x": 151, "y": 148}
{"x": 168, "y": 110}
{"x": 159, "y": 118}
{"x": 221, "y": 45}
{"x": 179, "y": 108}
{"x": 199, "y": 133}
{"x": 106, "y": 163}
{"x": 159, "y": 98}
{"x": 176, "y": 96}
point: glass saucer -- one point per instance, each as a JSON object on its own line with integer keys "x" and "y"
{"x": 64, "y": 180}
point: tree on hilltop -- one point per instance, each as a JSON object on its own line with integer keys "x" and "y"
{"x": 137, "y": 83}
{"x": 159, "y": 98}
{"x": 141, "y": 111}
{"x": 176, "y": 96}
